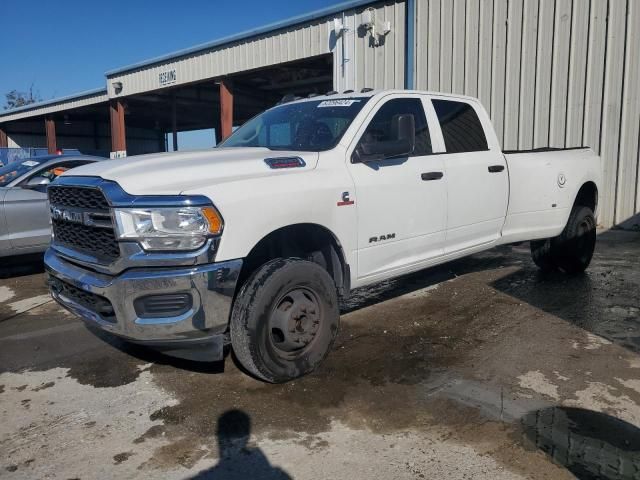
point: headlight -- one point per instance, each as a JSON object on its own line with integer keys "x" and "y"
{"x": 179, "y": 228}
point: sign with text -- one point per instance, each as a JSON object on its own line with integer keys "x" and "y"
{"x": 118, "y": 154}
{"x": 168, "y": 77}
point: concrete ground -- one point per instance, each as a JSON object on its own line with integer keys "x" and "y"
{"x": 482, "y": 368}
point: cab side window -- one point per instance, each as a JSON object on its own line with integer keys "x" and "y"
{"x": 379, "y": 129}
{"x": 461, "y": 127}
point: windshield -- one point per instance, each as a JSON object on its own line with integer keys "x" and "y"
{"x": 311, "y": 126}
{"x": 15, "y": 169}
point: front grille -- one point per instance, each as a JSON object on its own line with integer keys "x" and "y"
{"x": 97, "y": 241}
{"x": 78, "y": 197}
{"x": 88, "y": 300}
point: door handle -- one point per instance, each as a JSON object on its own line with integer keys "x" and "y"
{"x": 431, "y": 176}
{"x": 496, "y": 168}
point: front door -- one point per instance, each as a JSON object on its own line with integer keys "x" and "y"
{"x": 401, "y": 201}
{"x": 27, "y": 217}
{"x": 27, "y": 210}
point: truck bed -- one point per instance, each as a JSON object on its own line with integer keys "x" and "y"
{"x": 544, "y": 149}
{"x": 543, "y": 186}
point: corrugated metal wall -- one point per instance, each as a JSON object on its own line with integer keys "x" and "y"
{"x": 557, "y": 73}
{"x": 367, "y": 65}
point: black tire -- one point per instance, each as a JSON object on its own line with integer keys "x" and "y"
{"x": 576, "y": 244}
{"x": 542, "y": 255}
{"x": 285, "y": 319}
{"x": 572, "y": 250}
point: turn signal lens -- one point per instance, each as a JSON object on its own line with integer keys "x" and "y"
{"x": 214, "y": 219}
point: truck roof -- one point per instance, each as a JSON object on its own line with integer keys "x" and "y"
{"x": 365, "y": 92}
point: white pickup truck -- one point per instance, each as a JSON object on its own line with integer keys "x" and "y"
{"x": 252, "y": 243}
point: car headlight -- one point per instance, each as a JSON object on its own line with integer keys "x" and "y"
{"x": 178, "y": 228}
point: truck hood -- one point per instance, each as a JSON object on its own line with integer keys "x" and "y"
{"x": 176, "y": 172}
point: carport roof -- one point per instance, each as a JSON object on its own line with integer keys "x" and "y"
{"x": 101, "y": 94}
{"x": 87, "y": 97}
{"x": 323, "y": 12}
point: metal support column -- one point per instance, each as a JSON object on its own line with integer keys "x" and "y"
{"x": 162, "y": 147}
{"x": 50, "y": 130}
{"x": 118, "y": 135}
{"x": 96, "y": 140}
{"x": 410, "y": 44}
{"x": 226, "y": 108}
{"x": 4, "y": 140}
{"x": 217, "y": 125}
{"x": 174, "y": 122}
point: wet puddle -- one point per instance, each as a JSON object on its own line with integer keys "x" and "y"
{"x": 591, "y": 445}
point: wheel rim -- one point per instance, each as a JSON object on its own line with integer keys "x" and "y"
{"x": 295, "y": 321}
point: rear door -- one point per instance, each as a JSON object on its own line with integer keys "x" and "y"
{"x": 477, "y": 176}
{"x": 401, "y": 201}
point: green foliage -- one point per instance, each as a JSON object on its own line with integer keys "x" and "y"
{"x": 16, "y": 98}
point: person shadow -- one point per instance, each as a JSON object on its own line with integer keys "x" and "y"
{"x": 238, "y": 460}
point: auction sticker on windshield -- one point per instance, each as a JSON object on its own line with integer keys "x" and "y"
{"x": 337, "y": 103}
{"x": 30, "y": 163}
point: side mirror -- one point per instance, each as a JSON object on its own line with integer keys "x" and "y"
{"x": 403, "y": 141}
{"x": 37, "y": 181}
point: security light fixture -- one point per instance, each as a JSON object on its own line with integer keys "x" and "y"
{"x": 117, "y": 87}
{"x": 369, "y": 19}
{"x": 371, "y": 25}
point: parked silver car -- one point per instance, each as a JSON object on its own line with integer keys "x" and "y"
{"x": 24, "y": 215}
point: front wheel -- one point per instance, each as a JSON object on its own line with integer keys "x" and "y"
{"x": 285, "y": 319}
{"x": 572, "y": 250}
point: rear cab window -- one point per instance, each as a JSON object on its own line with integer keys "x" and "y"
{"x": 461, "y": 127}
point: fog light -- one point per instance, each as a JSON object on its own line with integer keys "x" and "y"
{"x": 157, "y": 306}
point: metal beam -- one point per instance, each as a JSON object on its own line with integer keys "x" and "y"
{"x": 4, "y": 140}
{"x": 251, "y": 93}
{"x": 226, "y": 108}
{"x": 174, "y": 122}
{"x": 118, "y": 130}
{"x": 298, "y": 83}
{"x": 217, "y": 125}
{"x": 50, "y": 130}
{"x": 410, "y": 42}
{"x": 161, "y": 141}
{"x": 96, "y": 141}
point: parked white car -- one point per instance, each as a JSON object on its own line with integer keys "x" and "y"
{"x": 253, "y": 242}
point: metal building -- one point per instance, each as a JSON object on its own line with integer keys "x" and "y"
{"x": 550, "y": 72}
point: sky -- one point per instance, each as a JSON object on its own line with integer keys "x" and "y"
{"x": 62, "y": 47}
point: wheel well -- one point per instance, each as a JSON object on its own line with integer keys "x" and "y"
{"x": 588, "y": 196}
{"x": 308, "y": 241}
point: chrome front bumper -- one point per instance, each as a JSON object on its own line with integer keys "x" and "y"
{"x": 211, "y": 287}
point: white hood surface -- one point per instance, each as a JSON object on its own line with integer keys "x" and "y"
{"x": 176, "y": 172}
